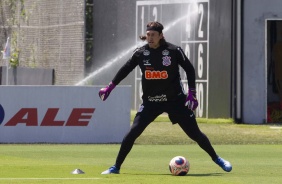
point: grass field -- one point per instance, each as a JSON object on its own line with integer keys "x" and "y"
{"x": 255, "y": 152}
{"x": 145, "y": 164}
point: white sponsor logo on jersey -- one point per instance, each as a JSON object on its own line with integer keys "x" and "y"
{"x": 158, "y": 98}
{"x": 165, "y": 52}
{"x": 146, "y": 62}
{"x": 146, "y": 53}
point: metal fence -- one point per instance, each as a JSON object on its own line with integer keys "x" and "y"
{"x": 46, "y": 34}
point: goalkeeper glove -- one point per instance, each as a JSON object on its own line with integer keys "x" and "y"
{"x": 105, "y": 92}
{"x": 191, "y": 100}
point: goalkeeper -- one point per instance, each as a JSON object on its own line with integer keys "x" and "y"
{"x": 159, "y": 62}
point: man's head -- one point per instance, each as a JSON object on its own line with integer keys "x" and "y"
{"x": 154, "y": 34}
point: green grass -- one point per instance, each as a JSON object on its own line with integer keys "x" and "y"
{"x": 219, "y": 131}
{"x": 164, "y": 118}
{"x": 145, "y": 164}
{"x": 255, "y": 152}
{"x": 166, "y": 133}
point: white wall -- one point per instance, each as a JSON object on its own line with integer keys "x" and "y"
{"x": 255, "y": 13}
{"x": 24, "y": 108}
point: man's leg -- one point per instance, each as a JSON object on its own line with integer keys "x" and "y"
{"x": 136, "y": 130}
{"x": 185, "y": 117}
{"x": 142, "y": 119}
{"x": 190, "y": 127}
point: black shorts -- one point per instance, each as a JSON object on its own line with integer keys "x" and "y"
{"x": 177, "y": 113}
{"x": 176, "y": 110}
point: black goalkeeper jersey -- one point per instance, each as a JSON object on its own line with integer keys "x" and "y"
{"x": 160, "y": 72}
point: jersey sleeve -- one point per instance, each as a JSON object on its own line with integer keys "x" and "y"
{"x": 125, "y": 69}
{"x": 187, "y": 66}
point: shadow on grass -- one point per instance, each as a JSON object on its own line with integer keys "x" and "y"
{"x": 206, "y": 174}
{"x": 194, "y": 175}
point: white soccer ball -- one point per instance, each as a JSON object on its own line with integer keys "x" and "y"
{"x": 179, "y": 166}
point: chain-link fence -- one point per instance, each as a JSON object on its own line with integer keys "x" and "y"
{"x": 46, "y": 34}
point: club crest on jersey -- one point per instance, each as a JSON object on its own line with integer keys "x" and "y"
{"x": 166, "y": 60}
{"x": 146, "y": 53}
{"x": 165, "y": 52}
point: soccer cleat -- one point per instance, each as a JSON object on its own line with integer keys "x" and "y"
{"x": 111, "y": 170}
{"x": 225, "y": 165}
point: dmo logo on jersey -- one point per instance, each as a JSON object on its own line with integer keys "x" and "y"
{"x": 155, "y": 74}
